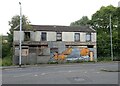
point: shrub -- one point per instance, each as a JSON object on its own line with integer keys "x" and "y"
{"x": 7, "y": 61}
{"x": 0, "y": 62}
{"x": 104, "y": 59}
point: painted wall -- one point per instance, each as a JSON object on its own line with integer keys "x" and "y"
{"x": 51, "y": 36}
{"x": 32, "y": 36}
{"x": 68, "y": 36}
{"x": 37, "y": 36}
{"x": 16, "y": 36}
{"x": 119, "y": 4}
{"x": 82, "y": 37}
{"x": 93, "y": 37}
{"x": 75, "y": 53}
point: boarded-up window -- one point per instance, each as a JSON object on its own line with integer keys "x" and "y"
{"x": 39, "y": 51}
{"x": 88, "y": 37}
{"x": 32, "y": 49}
{"x": 24, "y": 52}
{"x": 77, "y": 36}
{"x": 43, "y": 36}
{"x": 27, "y": 36}
{"x": 59, "y": 36}
{"x": 17, "y": 51}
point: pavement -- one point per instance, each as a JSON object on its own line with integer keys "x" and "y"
{"x": 111, "y": 69}
{"x": 107, "y": 69}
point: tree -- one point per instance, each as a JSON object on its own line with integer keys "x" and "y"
{"x": 118, "y": 35}
{"x": 100, "y": 22}
{"x": 15, "y": 21}
{"x": 0, "y": 46}
{"x": 84, "y": 21}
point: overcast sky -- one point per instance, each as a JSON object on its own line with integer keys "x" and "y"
{"x": 49, "y": 12}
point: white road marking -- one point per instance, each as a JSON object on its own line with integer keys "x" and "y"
{"x": 43, "y": 73}
{"x": 35, "y": 75}
{"x": 69, "y": 71}
{"x": 97, "y": 72}
{"x": 79, "y": 79}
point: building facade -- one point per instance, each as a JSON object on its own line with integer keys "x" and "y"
{"x": 40, "y": 41}
{"x": 119, "y": 4}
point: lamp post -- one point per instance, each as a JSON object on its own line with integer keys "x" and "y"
{"x": 111, "y": 40}
{"x": 20, "y": 34}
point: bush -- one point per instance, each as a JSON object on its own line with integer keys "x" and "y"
{"x": 116, "y": 58}
{"x": 52, "y": 63}
{"x": 7, "y": 61}
{"x": 104, "y": 58}
{"x": 0, "y": 62}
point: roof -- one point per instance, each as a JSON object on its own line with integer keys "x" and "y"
{"x": 57, "y": 28}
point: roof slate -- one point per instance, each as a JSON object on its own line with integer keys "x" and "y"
{"x": 57, "y": 28}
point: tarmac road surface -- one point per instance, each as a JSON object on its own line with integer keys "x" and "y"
{"x": 80, "y": 73}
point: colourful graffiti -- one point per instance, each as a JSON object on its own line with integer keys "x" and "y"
{"x": 73, "y": 54}
{"x": 84, "y": 52}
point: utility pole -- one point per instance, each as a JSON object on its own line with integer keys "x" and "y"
{"x": 111, "y": 40}
{"x": 20, "y": 33}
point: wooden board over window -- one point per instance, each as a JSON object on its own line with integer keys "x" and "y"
{"x": 24, "y": 52}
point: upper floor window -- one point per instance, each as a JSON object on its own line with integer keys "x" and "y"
{"x": 59, "y": 36}
{"x": 88, "y": 37}
{"x": 43, "y": 36}
{"x": 26, "y": 36}
{"x": 77, "y": 36}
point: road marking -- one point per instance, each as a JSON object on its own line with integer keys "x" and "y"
{"x": 69, "y": 71}
{"x": 23, "y": 75}
{"x": 97, "y": 72}
{"x": 35, "y": 75}
{"x": 43, "y": 73}
{"x": 79, "y": 79}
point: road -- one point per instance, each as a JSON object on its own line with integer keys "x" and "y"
{"x": 81, "y": 73}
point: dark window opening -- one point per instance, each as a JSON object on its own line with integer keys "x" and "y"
{"x": 27, "y": 36}
{"x": 77, "y": 36}
{"x": 88, "y": 37}
{"x": 43, "y": 36}
{"x": 90, "y": 46}
{"x": 59, "y": 36}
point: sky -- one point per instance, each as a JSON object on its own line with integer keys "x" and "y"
{"x": 49, "y": 12}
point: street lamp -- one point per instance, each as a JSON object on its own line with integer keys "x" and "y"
{"x": 20, "y": 33}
